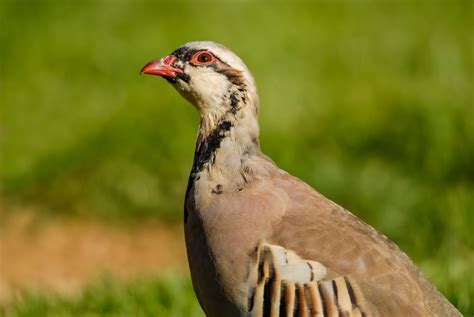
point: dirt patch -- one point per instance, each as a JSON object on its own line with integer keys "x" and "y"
{"x": 63, "y": 255}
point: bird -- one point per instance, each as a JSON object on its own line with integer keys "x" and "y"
{"x": 261, "y": 242}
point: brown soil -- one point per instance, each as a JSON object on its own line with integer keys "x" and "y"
{"x": 63, "y": 255}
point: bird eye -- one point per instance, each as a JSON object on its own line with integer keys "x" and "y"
{"x": 203, "y": 58}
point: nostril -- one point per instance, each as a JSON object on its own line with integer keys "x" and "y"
{"x": 168, "y": 60}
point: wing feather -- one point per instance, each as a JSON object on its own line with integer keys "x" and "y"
{"x": 288, "y": 285}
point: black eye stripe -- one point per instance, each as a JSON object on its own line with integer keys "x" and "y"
{"x": 185, "y": 54}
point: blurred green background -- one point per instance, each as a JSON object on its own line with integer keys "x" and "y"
{"x": 370, "y": 102}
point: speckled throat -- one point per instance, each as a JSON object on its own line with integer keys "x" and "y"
{"x": 238, "y": 117}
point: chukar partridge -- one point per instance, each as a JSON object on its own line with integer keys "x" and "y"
{"x": 261, "y": 242}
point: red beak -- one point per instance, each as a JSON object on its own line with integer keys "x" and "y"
{"x": 162, "y": 67}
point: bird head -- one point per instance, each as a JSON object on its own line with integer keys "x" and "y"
{"x": 209, "y": 76}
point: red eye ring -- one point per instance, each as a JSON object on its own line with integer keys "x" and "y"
{"x": 203, "y": 58}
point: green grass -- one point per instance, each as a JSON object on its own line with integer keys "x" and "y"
{"x": 370, "y": 102}
{"x": 161, "y": 296}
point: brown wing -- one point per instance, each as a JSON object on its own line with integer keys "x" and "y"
{"x": 317, "y": 229}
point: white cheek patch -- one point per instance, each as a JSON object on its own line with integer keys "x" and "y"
{"x": 210, "y": 85}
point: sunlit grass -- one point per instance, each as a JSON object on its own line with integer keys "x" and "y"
{"x": 162, "y": 296}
